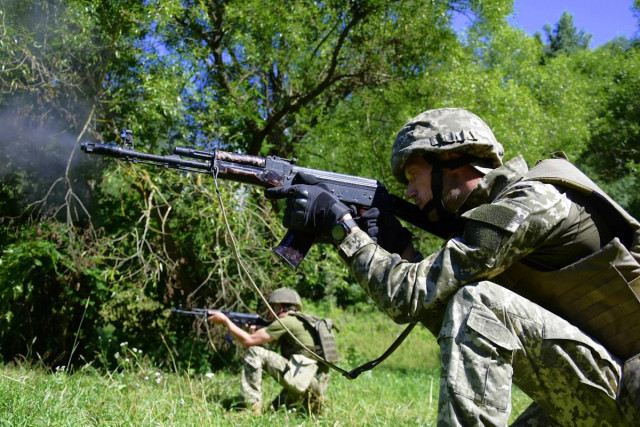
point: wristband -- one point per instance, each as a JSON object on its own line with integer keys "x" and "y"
{"x": 341, "y": 229}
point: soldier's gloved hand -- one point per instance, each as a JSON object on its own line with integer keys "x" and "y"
{"x": 310, "y": 208}
{"x": 385, "y": 230}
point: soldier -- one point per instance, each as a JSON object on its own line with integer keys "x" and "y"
{"x": 537, "y": 286}
{"x": 304, "y": 382}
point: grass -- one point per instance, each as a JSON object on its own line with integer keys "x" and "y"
{"x": 33, "y": 397}
{"x": 401, "y": 391}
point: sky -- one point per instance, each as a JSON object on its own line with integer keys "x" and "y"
{"x": 603, "y": 19}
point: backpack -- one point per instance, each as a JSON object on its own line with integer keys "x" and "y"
{"x": 324, "y": 338}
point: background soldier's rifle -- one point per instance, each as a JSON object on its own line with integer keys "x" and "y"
{"x": 271, "y": 171}
{"x": 240, "y": 319}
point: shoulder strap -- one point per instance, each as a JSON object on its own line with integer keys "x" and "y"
{"x": 323, "y": 336}
{"x": 562, "y": 173}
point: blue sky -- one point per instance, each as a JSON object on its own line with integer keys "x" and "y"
{"x": 603, "y": 19}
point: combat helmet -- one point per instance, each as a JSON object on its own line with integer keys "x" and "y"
{"x": 285, "y": 296}
{"x": 446, "y": 130}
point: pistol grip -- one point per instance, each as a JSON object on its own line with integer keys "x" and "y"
{"x": 294, "y": 247}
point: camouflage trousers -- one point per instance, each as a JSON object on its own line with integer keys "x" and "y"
{"x": 492, "y": 338}
{"x": 304, "y": 383}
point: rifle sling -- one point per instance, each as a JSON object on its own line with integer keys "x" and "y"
{"x": 353, "y": 374}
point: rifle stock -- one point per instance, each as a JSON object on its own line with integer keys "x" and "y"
{"x": 271, "y": 171}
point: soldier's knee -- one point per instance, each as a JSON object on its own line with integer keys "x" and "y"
{"x": 460, "y": 303}
{"x": 472, "y": 295}
{"x": 253, "y": 357}
{"x": 473, "y": 314}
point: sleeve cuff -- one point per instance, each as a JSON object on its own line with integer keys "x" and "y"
{"x": 353, "y": 243}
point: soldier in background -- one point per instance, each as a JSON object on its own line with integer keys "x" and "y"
{"x": 537, "y": 286}
{"x": 304, "y": 382}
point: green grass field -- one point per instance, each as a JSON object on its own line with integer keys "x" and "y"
{"x": 401, "y": 391}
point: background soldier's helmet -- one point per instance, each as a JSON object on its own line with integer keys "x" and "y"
{"x": 446, "y": 130}
{"x": 285, "y": 296}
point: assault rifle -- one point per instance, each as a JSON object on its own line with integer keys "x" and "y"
{"x": 271, "y": 171}
{"x": 239, "y": 319}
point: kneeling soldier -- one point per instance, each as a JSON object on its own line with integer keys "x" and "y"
{"x": 304, "y": 381}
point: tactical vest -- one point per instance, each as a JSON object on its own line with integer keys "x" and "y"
{"x": 600, "y": 293}
{"x": 323, "y": 336}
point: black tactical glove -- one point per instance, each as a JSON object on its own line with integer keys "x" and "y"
{"x": 385, "y": 230}
{"x": 310, "y": 208}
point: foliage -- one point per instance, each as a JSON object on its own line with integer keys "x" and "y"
{"x": 46, "y": 254}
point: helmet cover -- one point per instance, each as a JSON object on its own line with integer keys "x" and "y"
{"x": 445, "y": 130}
{"x": 285, "y": 296}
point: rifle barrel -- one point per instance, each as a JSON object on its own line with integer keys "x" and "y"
{"x": 131, "y": 155}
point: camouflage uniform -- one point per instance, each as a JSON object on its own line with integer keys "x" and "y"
{"x": 303, "y": 381}
{"x": 491, "y": 337}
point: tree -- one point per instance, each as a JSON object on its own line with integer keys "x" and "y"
{"x": 265, "y": 75}
{"x": 613, "y": 152}
{"x": 564, "y": 38}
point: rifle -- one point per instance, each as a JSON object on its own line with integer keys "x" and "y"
{"x": 272, "y": 171}
{"x": 239, "y": 319}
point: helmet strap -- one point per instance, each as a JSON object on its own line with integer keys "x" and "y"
{"x": 437, "y": 202}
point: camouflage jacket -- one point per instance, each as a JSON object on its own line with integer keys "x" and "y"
{"x": 418, "y": 292}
